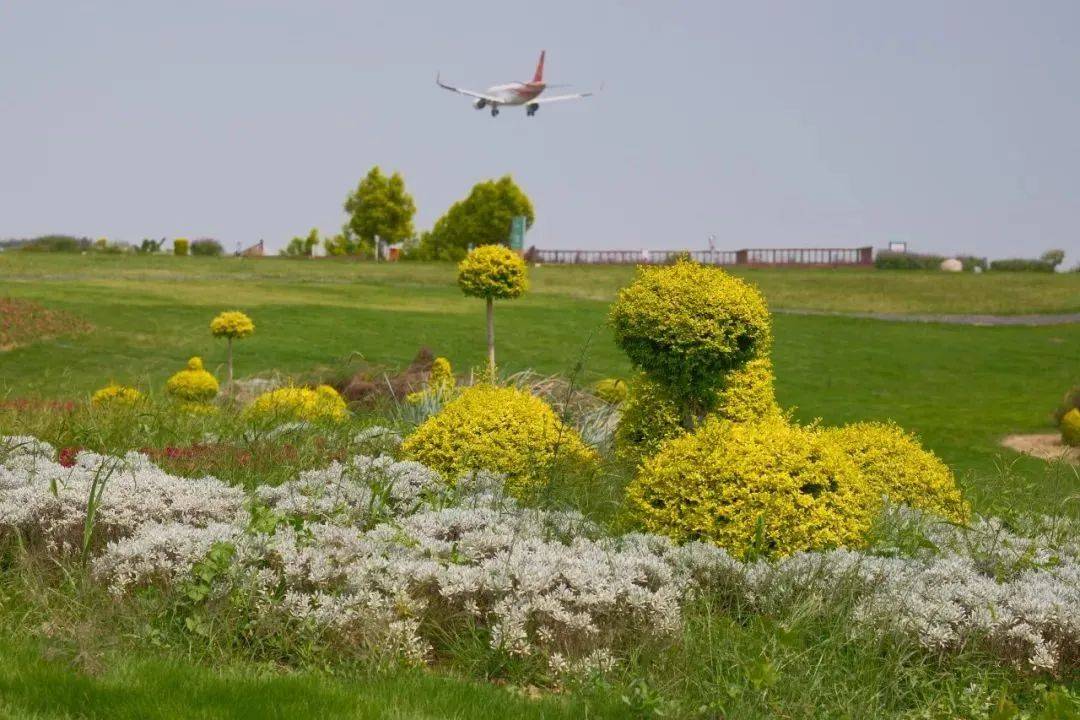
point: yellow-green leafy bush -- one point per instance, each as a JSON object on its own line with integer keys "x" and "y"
{"x": 180, "y": 246}
{"x": 493, "y": 271}
{"x": 192, "y": 384}
{"x": 611, "y": 390}
{"x": 1070, "y": 428}
{"x": 114, "y": 394}
{"x": 322, "y": 404}
{"x": 501, "y": 429}
{"x": 687, "y": 326}
{"x": 649, "y": 417}
{"x": 440, "y": 384}
{"x": 748, "y": 392}
{"x": 232, "y": 324}
{"x": 895, "y": 465}
{"x": 766, "y": 486}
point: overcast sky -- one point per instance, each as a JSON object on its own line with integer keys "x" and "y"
{"x": 952, "y": 125}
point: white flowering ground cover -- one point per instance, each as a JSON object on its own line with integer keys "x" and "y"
{"x": 384, "y": 556}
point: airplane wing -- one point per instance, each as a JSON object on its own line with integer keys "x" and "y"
{"x": 463, "y": 91}
{"x": 560, "y": 98}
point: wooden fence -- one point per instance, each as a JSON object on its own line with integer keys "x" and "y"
{"x": 786, "y": 257}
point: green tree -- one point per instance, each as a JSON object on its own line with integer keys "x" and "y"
{"x": 483, "y": 218}
{"x": 380, "y": 207}
{"x": 1053, "y": 257}
{"x": 302, "y": 246}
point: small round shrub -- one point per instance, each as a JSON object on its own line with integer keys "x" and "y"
{"x": 113, "y": 394}
{"x": 232, "y": 324}
{"x": 611, "y": 390}
{"x": 765, "y": 487}
{"x": 493, "y": 271}
{"x": 687, "y": 325}
{"x": 649, "y": 418}
{"x": 895, "y": 465}
{"x": 180, "y": 246}
{"x": 192, "y": 384}
{"x": 1071, "y": 401}
{"x": 1070, "y": 428}
{"x": 322, "y": 404}
{"x": 501, "y": 429}
{"x": 440, "y": 384}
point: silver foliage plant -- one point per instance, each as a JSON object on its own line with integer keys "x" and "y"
{"x": 381, "y": 551}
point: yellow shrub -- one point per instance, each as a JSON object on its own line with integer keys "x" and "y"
{"x": 493, "y": 271}
{"x": 1070, "y": 428}
{"x": 232, "y": 324}
{"x": 198, "y": 408}
{"x": 894, "y": 464}
{"x": 113, "y": 394}
{"x": 611, "y": 390}
{"x": 299, "y": 403}
{"x": 687, "y": 326}
{"x": 441, "y": 383}
{"x": 193, "y": 384}
{"x": 501, "y": 429}
{"x": 766, "y": 486}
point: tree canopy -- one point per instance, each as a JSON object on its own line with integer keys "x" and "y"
{"x": 483, "y": 218}
{"x": 380, "y": 206}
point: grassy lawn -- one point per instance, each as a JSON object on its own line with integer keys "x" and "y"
{"x": 961, "y": 388}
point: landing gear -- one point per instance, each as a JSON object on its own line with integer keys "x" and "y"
{"x": 531, "y": 109}
{"x": 494, "y": 111}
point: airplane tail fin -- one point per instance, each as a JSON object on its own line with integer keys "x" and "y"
{"x": 539, "y": 76}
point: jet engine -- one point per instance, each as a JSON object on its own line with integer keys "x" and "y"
{"x": 480, "y": 103}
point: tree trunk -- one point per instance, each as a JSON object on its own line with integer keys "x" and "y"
{"x": 229, "y": 385}
{"x": 491, "y": 337}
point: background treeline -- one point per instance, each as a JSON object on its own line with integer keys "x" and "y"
{"x": 1047, "y": 262}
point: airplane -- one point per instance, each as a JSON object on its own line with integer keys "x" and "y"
{"x": 518, "y": 93}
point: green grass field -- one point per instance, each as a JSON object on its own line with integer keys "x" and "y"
{"x": 960, "y": 387}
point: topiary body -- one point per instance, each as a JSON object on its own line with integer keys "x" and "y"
{"x": 501, "y": 429}
{"x": 761, "y": 487}
{"x": 322, "y": 404}
{"x": 687, "y": 326}
{"x": 192, "y": 384}
{"x": 492, "y": 272}
{"x": 895, "y": 465}
{"x": 1070, "y": 428}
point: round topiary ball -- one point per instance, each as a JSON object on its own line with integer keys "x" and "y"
{"x": 895, "y": 465}
{"x": 232, "y": 324}
{"x": 1070, "y": 428}
{"x": 763, "y": 487}
{"x": 321, "y": 404}
{"x": 687, "y": 325}
{"x": 193, "y": 384}
{"x": 501, "y": 429}
{"x": 493, "y": 272}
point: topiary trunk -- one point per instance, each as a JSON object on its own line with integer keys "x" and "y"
{"x": 229, "y": 383}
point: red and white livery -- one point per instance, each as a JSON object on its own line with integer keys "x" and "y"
{"x": 518, "y": 93}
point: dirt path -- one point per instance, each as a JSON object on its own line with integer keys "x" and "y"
{"x": 958, "y": 319}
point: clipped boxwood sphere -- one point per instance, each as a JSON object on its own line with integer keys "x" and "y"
{"x": 895, "y": 465}
{"x": 193, "y": 384}
{"x": 769, "y": 486}
{"x": 493, "y": 271}
{"x": 686, "y": 325}
{"x": 322, "y": 404}
{"x": 502, "y": 429}
{"x": 1070, "y": 428}
{"x": 232, "y": 324}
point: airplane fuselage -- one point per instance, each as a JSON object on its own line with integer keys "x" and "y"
{"x": 516, "y": 93}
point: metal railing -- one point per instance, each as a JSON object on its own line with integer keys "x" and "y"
{"x": 789, "y": 257}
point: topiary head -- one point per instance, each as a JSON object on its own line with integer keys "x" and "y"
{"x": 688, "y": 325}
{"x": 232, "y": 324}
{"x": 195, "y": 363}
{"x": 493, "y": 272}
